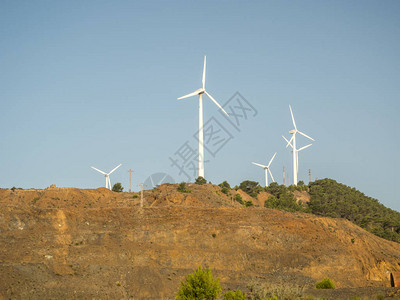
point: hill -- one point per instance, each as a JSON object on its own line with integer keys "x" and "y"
{"x": 74, "y": 243}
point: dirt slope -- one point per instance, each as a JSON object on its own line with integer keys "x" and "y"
{"x": 72, "y": 243}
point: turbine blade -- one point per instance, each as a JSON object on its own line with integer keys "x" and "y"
{"x": 273, "y": 180}
{"x": 260, "y": 165}
{"x": 115, "y": 168}
{"x": 303, "y": 134}
{"x": 291, "y": 112}
{"x": 289, "y": 142}
{"x": 271, "y": 160}
{"x": 302, "y": 148}
{"x": 189, "y": 95}
{"x": 204, "y": 73}
{"x": 104, "y": 173}
{"x": 216, "y": 103}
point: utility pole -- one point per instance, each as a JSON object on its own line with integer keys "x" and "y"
{"x": 130, "y": 179}
{"x": 283, "y": 175}
{"x": 309, "y": 176}
{"x": 141, "y": 193}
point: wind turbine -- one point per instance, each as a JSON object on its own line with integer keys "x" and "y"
{"x": 292, "y": 143}
{"x": 297, "y": 154}
{"x": 107, "y": 175}
{"x": 266, "y": 169}
{"x": 200, "y": 92}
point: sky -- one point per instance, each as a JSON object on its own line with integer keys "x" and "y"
{"x": 95, "y": 83}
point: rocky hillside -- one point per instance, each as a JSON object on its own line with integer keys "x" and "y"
{"x": 73, "y": 243}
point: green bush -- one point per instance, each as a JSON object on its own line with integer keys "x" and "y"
{"x": 234, "y": 295}
{"x": 225, "y": 190}
{"x": 239, "y": 198}
{"x": 248, "y": 203}
{"x": 224, "y": 184}
{"x": 135, "y": 196}
{"x": 199, "y": 285}
{"x": 200, "y": 180}
{"x": 286, "y": 201}
{"x": 117, "y": 187}
{"x": 182, "y": 188}
{"x": 252, "y": 188}
{"x": 325, "y": 284}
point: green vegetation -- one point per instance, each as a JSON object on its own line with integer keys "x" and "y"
{"x": 117, "y": 187}
{"x": 225, "y": 187}
{"x": 239, "y": 198}
{"x": 282, "y": 198}
{"x": 325, "y": 284}
{"x": 182, "y": 188}
{"x": 252, "y": 188}
{"x": 225, "y": 190}
{"x": 135, "y": 196}
{"x": 224, "y": 184}
{"x": 200, "y": 180}
{"x": 199, "y": 285}
{"x": 234, "y": 295}
{"x": 332, "y": 199}
{"x": 249, "y": 203}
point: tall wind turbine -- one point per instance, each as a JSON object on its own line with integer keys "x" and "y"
{"x": 266, "y": 169}
{"x": 297, "y": 153}
{"x": 200, "y": 92}
{"x": 107, "y": 175}
{"x": 292, "y": 143}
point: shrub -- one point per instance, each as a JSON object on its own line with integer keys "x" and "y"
{"x": 200, "y": 180}
{"x": 182, "y": 188}
{"x": 248, "y": 203}
{"x": 325, "y": 284}
{"x": 234, "y": 295}
{"x": 250, "y": 187}
{"x": 286, "y": 201}
{"x": 224, "y": 184}
{"x": 199, "y": 285}
{"x": 225, "y": 190}
{"x": 239, "y": 198}
{"x": 135, "y": 196}
{"x": 117, "y": 187}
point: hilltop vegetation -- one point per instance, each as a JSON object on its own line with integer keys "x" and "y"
{"x": 329, "y": 198}
{"x": 332, "y": 199}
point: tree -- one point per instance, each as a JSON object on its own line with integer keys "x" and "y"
{"x": 224, "y": 184}
{"x": 250, "y": 187}
{"x": 199, "y": 285}
{"x": 117, "y": 187}
{"x": 200, "y": 180}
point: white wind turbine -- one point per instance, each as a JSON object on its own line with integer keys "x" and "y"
{"x": 292, "y": 143}
{"x": 200, "y": 92}
{"x": 297, "y": 153}
{"x": 266, "y": 169}
{"x": 107, "y": 175}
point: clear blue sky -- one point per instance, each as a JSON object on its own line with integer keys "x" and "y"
{"x": 94, "y": 83}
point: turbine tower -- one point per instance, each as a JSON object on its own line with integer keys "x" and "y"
{"x": 292, "y": 143}
{"x": 107, "y": 175}
{"x": 266, "y": 169}
{"x": 200, "y": 92}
